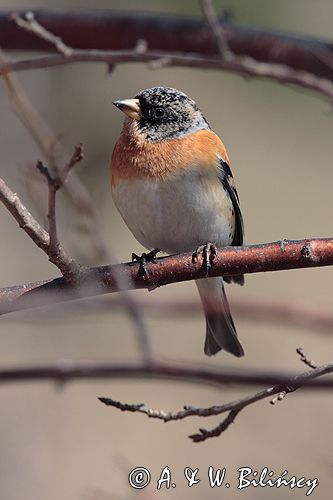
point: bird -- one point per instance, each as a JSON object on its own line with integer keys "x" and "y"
{"x": 172, "y": 184}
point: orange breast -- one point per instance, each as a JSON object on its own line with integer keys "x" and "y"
{"x": 134, "y": 157}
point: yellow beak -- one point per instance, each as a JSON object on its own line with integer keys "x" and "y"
{"x": 131, "y": 107}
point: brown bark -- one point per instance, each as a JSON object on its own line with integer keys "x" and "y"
{"x": 109, "y": 30}
{"x": 229, "y": 261}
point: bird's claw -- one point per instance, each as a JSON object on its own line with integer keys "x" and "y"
{"x": 208, "y": 252}
{"x": 143, "y": 259}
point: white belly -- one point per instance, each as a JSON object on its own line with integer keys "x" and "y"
{"x": 176, "y": 215}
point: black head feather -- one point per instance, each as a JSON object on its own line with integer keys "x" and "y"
{"x": 167, "y": 113}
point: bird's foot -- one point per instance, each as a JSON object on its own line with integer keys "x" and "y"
{"x": 143, "y": 259}
{"x": 208, "y": 252}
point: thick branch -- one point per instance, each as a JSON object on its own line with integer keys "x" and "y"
{"x": 227, "y": 60}
{"x": 87, "y": 29}
{"x": 70, "y": 370}
{"x": 229, "y": 261}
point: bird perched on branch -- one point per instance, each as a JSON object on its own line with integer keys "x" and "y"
{"x": 173, "y": 186}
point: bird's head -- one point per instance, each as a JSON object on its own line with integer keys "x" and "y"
{"x": 163, "y": 113}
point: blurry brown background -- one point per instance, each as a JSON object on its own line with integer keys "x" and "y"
{"x": 60, "y": 442}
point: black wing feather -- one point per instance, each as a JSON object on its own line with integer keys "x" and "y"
{"x": 226, "y": 178}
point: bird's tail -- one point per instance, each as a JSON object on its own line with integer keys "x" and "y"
{"x": 220, "y": 328}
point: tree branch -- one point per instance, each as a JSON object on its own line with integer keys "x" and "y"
{"x": 81, "y": 282}
{"x": 242, "y": 66}
{"x": 259, "y": 309}
{"x": 217, "y": 28}
{"x": 69, "y": 370}
{"x": 54, "y": 184}
{"x": 304, "y": 358}
{"x": 84, "y": 29}
{"x": 260, "y": 258}
{"x": 233, "y": 408}
{"x": 263, "y": 65}
{"x": 51, "y": 148}
{"x": 68, "y": 267}
{"x": 29, "y": 23}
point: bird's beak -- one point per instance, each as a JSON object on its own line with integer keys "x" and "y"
{"x": 131, "y": 107}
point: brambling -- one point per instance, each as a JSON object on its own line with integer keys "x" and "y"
{"x": 173, "y": 186}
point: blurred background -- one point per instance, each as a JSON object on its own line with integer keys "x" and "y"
{"x": 60, "y": 441}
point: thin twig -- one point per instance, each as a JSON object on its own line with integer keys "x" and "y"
{"x": 46, "y": 142}
{"x": 204, "y": 434}
{"x": 233, "y": 408}
{"x": 54, "y": 184}
{"x": 51, "y": 213}
{"x": 218, "y": 31}
{"x": 52, "y": 149}
{"x": 68, "y": 267}
{"x": 281, "y": 395}
{"x": 32, "y": 25}
{"x": 76, "y": 157}
{"x": 304, "y": 358}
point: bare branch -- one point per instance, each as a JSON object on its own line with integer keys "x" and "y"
{"x": 304, "y": 315}
{"x": 52, "y": 149}
{"x": 242, "y": 65}
{"x": 84, "y": 29}
{"x": 24, "y": 218}
{"x": 30, "y": 24}
{"x": 51, "y": 214}
{"x": 233, "y": 408}
{"x": 305, "y": 359}
{"x": 204, "y": 434}
{"x": 135, "y": 313}
{"x": 54, "y": 184}
{"x": 70, "y": 269}
{"x": 32, "y": 121}
{"x": 215, "y": 376}
{"x": 260, "y": 310}
{"x": 217, "y": 28}
{"x": 229, "y": 261}
{"x": 295, "y": 313}
{"x": 68, "y": 370}
{"x": 76, "y": 157}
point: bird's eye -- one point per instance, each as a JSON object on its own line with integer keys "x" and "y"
{"x": 158, "y": 112}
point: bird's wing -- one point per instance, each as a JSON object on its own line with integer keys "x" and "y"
{"x": 227, "y": 180}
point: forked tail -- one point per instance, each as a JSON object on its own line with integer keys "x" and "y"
{"x": 220, "y": 329}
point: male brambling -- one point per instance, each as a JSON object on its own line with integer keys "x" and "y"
{"x": 173, "y": 186}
